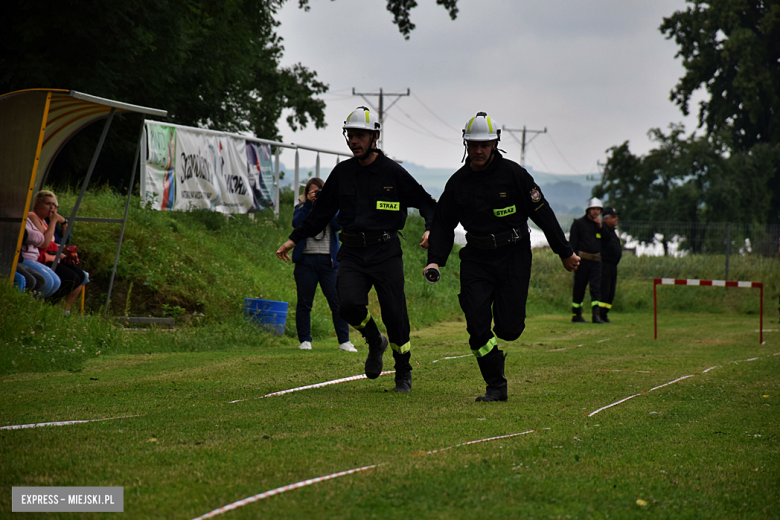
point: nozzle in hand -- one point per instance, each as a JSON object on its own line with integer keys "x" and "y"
{"x": 432, "y": 275}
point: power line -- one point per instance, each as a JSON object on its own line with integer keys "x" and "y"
{"x": 381, "y": 108}
{"x": 524, "y": 131}
{"x": 540, "y": 159}
{"x": 428, "y": 134}
{"x": 562, "y": 157}
{"x": 434, "y": 113}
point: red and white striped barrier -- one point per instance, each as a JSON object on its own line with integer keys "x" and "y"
{"x": 266, "y": 494}
{"x": 709, "y": 283}
{"x": 61, "y": 423}
{"x": 318, "y": 385}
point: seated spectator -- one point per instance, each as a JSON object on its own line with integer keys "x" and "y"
{"x": 29, "y": 258}
{"x": 33, "y": 280}
{"x": 71, "y": 276}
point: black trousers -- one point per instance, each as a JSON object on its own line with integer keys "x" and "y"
{"x": 608, "y": 283}
{"x": 494, "y": 286}
{"x": 311, "y": 270}
{"x": 71, "y": 275}
{"x": 589, "y": 272}
{"x": 354, "y": 281}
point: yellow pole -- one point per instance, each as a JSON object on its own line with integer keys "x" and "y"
{"x": 32, "y": 183}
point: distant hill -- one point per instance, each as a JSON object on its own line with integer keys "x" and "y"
{"x": 568, "y": 194}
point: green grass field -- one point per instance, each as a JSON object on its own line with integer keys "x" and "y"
{"x": 707, "y": 446}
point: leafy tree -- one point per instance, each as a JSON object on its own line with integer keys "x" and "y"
{"x": 400, "y": 10}
{"x": 666, "y": 185}
{"x": 209, "y": 64}
{"x": 731, "y": 48}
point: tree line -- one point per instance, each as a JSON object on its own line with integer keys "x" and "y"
{"x": 217, "y": 65}
{"x": 209, "y": 64}
{"x": 729, "y": 171}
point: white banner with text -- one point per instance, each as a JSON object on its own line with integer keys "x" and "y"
{"x": 189, "y": 168}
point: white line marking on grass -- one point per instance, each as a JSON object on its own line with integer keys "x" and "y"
{"x": 309, "y": 387}
{"x": 282, "y": 489}
{"x": 452, "y": 357}
{"x": 565, "y": 348}
{"x": 475, "y": 442}
{"x": 663, "y": 385}
{"x": 62, "y": 423}
{"x": 602, "y": 340}
{"x": 636, "y": 371}
{"x": 669, "y": 383}
{"x": 591, "y": 414}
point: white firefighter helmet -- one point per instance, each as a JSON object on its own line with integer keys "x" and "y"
{"x": 595, "y": 203}
{"x": 363, "y": 119}
{"x": 481, "y": 128}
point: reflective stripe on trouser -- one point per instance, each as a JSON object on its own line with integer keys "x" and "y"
{"x": 401, "y": 349}
{"x": 588, "y": 273}
{"x": 486, "y": 348}
{"x": 494, "y": 288}
{"x": 354, "y": 281}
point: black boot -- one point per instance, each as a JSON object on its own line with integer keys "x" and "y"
{"x": 604, "y": 312}
{"x": 576, "y": 315}
{"x": 377, "y": 344}
{"x": 403, "y": 372}
{"x": 374, "y": 361}
{"x": 597, "y": 314}
{"x": 492, "y": 368}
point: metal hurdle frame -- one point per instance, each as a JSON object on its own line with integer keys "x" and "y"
{"x": 709, "y": 283}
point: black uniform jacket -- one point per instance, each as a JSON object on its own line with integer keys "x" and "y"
{"x": 491, "y": 201}
{"x": 611, "y": 248}
{"x": 585, "y": 235}
{"x": 368, "y": 198}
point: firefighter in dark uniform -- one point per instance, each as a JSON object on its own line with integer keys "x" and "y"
{"x": 611, "y": 252}
{"x": 492, "y": 198}
{"x": 371, "y": 194}
{"x": 585, "y": 238}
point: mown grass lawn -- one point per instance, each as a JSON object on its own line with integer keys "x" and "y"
{"x": 707, "y": 446}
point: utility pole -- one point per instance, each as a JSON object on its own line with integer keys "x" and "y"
{"x": 524, "y": 142}
{"x": 381, "y": 110}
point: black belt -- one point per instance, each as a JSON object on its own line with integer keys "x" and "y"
{"x": 369, "y": 238}
{"x": 495, "y": 241}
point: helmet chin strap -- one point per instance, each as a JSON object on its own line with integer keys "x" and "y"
{"x": 369, "y": 151}
{"x": 492, "y": 152}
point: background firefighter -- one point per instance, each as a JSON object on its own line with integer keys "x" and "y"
{"x": 585, "y": 238}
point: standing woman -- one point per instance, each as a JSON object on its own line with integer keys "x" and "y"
{"x": 315, "y": 262}
{"x": 72, "y": 278}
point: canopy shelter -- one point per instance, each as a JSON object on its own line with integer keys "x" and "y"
{"x": 36, "y": 125}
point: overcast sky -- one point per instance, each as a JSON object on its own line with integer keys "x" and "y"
{"x": 595, "y": 73}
